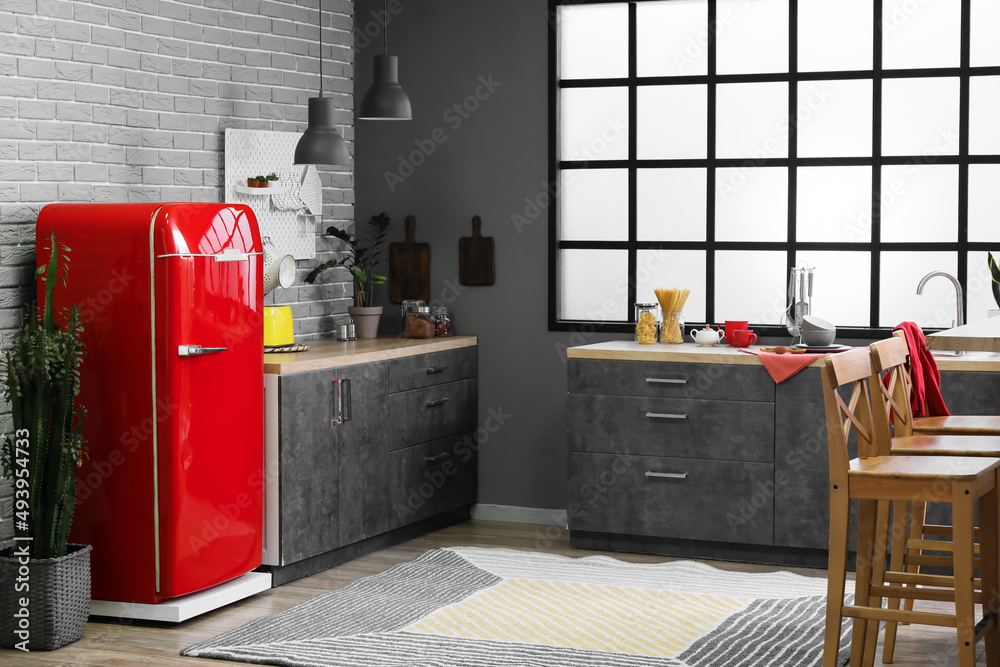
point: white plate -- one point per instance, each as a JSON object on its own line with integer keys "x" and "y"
{"x": 821, "y": 348}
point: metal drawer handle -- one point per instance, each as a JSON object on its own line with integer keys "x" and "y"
{"x": 436, "y": 402}
{"x": 667, "y": 475}
{"x": 438, "y": 457}
{"x": 663, "y": 415}
{"x": 436, "y": 369}
{"x": 341, "y": 401}
{"x": 667, "y": 380}
{"x": 197, "y": 350}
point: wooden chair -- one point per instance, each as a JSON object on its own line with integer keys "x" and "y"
{"x": 949, "y": 425}
{"x": 876, "y": 476}
{"x": 893, "y": 420}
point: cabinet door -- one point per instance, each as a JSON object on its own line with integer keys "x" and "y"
{"x": 364, "y": 453}
{"x": 431, "y": 413}
{"x": 433, "y": 477}
{"x": 309, "y": 505}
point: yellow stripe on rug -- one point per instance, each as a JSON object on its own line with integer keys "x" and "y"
{"x": 620, "y": 619}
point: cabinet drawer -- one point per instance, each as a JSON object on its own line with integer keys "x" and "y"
{"x": 431, "y": 413}
{"x": 669, "y": 380}
{"x": 730, "y": 430}
{"x": 432, "y": 478}
{"x": 722, "y": 501}
{"x": 424, "y": 370}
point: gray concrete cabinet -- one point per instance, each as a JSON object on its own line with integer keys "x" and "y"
{"x": 368, "y": 453}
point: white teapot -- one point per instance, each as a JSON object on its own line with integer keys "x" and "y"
{"x": 705, "y": 337}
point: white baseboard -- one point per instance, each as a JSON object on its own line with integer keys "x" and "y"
{"x": 512, "y": 514}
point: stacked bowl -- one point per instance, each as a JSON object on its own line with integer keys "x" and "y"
{"x": 816, "y": 332}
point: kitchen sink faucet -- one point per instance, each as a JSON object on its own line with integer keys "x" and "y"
{"x": 959, "y": 318}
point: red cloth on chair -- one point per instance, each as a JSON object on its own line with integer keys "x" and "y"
{"x": 925, "y": 399}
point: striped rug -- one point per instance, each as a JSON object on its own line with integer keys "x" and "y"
{"x": 473, "y": 607}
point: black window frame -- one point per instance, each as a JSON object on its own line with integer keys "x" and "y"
{"x": 964, "y": 72}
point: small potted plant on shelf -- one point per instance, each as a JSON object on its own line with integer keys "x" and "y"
{"x": 40, "y": 457}
{"x": 257, "y": 182}
{"x": 994, "y": 283}
{"x": 270, "y": 179}
{"x": 363, "y": 252}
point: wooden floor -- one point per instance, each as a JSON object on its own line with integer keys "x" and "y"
{"x": 114, "y": 644}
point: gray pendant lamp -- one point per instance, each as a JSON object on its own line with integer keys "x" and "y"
{"x": 321, "y": 143}
{"x": 385, "y": 100}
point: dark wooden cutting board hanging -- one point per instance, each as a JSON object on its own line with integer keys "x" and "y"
{"x": 409, "y": 267}
{"x": 476, "y": 257}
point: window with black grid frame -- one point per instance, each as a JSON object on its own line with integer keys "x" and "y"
{"x": 715, "y": 144}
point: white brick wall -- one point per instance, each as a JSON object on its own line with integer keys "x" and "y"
{"x": 128, "y": 100}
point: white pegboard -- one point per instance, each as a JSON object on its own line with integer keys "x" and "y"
{"x": 255, "y": 152}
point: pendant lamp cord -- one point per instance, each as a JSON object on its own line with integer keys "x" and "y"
{"x": 321, "y": 48}
{"x": 385, "y": 28}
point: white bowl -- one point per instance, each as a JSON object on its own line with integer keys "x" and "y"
{"x": 815, "y": 338}
{"x": 813, "y": 323}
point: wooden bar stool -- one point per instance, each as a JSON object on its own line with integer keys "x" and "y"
{"x": 948, "y": 425}
{"x": 876, "y": 476}
{"x": 892, "y": 416}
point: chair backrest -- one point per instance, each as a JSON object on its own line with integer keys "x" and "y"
{"x": 852, "y": 368}
{"x": 891, "y": 400}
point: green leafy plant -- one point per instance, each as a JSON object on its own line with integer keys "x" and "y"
{"x": 995, "y": 272}
{"x": 363, "y": 254}
{"x": 41, "y": 384}
{"x": 271, "y": 177}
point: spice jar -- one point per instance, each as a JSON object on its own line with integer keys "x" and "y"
{"x": 646, "y": 323}
{"x": 419, "y": 323}
{"x": 407, "y": 304}
{"x": 442, "y": 323}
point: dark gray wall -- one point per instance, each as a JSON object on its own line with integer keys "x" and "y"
{"x": 489, "y": 164}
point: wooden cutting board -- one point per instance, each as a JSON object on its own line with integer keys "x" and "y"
{"x": 409, "y": 267}
{"x": 476, "y": 257}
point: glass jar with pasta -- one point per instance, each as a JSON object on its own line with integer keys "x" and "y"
{"x": 672, "y": 302}
{"x": 647, "y": 325}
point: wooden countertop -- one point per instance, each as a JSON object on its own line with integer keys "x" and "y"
{"x": 723, "y": 354}
{"x": 981, "y": 336}
{"x": 328, "y": 353}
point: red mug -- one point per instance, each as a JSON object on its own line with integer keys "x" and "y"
{"x": 743, "y": 338}
{"x": 733, "y": 325}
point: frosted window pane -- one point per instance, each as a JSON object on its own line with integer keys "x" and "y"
{"x": 985, "y": 47}
{"x": 833, "y": 204}
{"x": 924, "y": 33}
{"x": 920, "y": 204}
{"x": 593, "y": 123}
{"x": 683, "y": 269}
{"x": 593, "y": 205}
{"x": 752, "y": 120}
{"x": 898, "y": 298}
{"x": 835, "y": 36}
{"x": 673, "y": 121}
{"x": 835, "y": 119}
{"x": 593, "y": 285}
{"x": 841, "y": 286}
{"x": 978, "y": 292}
{"x": 670, "y": 204}
{"x": 984, "y": 203}
{"x": 750, "y": 285}
{"x": 920, "y": 116}
{"x": 672, "y": 38}
{"x": 984, "y": 115}
{"x": 752, "y": 36}
{"x": 751, "y": 204}
{"x": 593, "y": 41}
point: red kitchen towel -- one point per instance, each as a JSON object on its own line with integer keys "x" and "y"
{"x": 783, "y": 366}
{"x": 925, "y": 398}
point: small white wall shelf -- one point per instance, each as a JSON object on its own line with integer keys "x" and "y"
{"x": 258, "y": 192}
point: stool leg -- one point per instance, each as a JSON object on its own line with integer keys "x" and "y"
{"x": 900, "y": 520}
{"x": 867, "y": 516}
{"x": 880, "y": 548}
{"x": 840, "y": 524}
{"x": 989, "y": 562}
{"x": 963, "y": 536}
{"x": 918, "y": 517}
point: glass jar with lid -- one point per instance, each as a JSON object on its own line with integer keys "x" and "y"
{"x": 407, "y": 304}
{"x": 442, "y": 322}
{"x": 646, "y": 323}
{"x": 419, "y": 323}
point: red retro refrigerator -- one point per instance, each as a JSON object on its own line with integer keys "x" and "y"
{"x": 171, "y": 492}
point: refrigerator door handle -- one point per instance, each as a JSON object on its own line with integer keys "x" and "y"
{"x": 196, "y": 350}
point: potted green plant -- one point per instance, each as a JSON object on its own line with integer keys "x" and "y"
{"x": 363, "y": 252}
{"x": 257, "y": 181}
{"x": 44, "y": 582}
{"x": 270, "y": 179}
{"x": 994, "y": 283}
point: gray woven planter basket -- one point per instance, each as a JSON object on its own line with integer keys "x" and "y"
{"x": 58, "y": 599}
